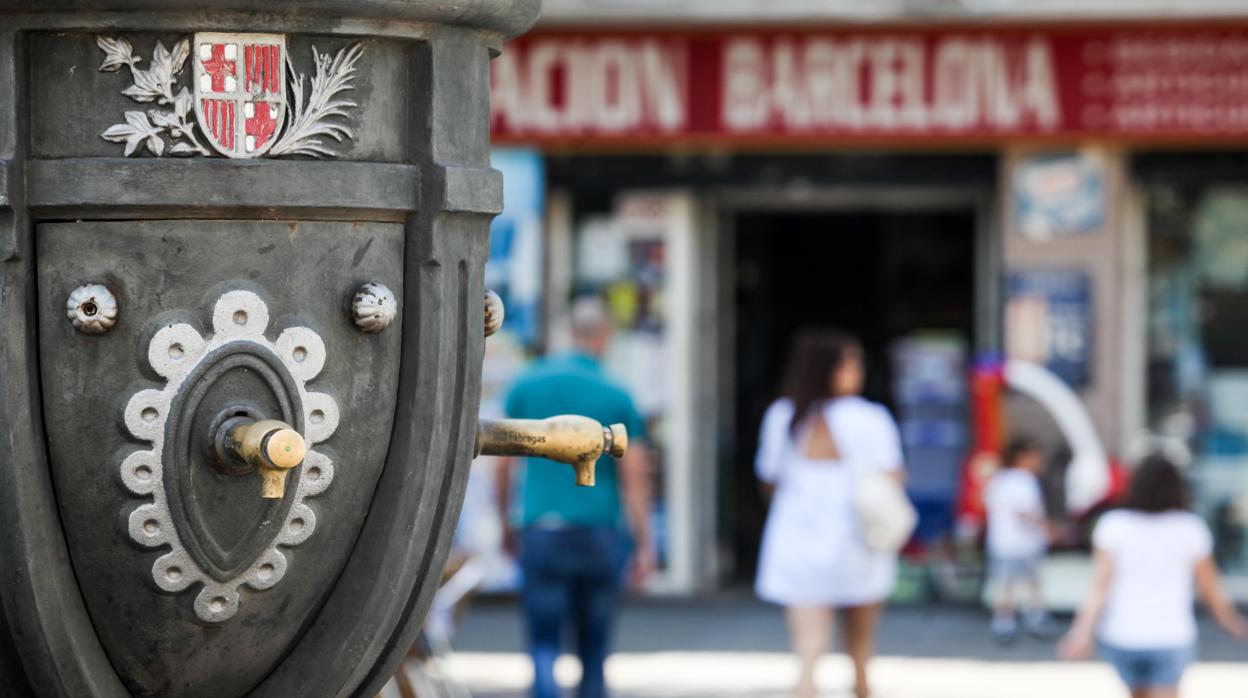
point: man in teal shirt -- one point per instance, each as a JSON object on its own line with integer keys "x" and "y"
{"x": 573, "y": 539}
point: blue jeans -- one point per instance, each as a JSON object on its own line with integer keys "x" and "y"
{"x": 571, "y": 577}
{"x": 1155, "y": 668}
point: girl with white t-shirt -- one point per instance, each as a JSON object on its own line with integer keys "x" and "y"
{"x": 814, "y": 444}
{"x": 1148, "y": 558}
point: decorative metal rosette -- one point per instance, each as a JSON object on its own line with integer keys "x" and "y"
{"x": 239, "y": 321}
{"x": 373, "y": 307}
{"x": 494, "y": 313}
{"x": 92, "y": 309}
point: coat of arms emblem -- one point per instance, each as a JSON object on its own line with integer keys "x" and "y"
{"x": 245, "y": 95}
{"x": 240, "y": 91}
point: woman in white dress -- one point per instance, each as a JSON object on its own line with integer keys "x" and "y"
{"x": 814, "y": 560}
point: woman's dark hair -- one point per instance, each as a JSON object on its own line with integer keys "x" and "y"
{"x": 1016, "y": 448}
{"x": 816, "y": 354}
{"x": 1156, "y": 486}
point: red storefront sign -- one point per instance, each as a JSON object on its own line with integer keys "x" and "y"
{"x": 853, "y": 86}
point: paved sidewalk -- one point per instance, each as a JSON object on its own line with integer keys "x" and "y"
{"x": 739, "y": 623}
{"x": 735, "y": 647}
{"x": 769, "y": 675}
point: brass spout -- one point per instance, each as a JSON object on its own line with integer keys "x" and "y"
{"x": 572, "y": 439}
{"x": 271, "y": 446}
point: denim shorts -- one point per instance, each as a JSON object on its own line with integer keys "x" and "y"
{"x": 1158, "y": 668}
{"x": 1022, "y": 568}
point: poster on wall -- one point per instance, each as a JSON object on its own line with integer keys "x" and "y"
{"x": 1057, "y": 194}
{"x": 514, "y": 270}
{"x": 1048, "y": 321}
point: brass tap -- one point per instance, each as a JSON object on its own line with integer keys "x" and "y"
{"x": 271, "y": 446}
{"x": 572, "y": 439}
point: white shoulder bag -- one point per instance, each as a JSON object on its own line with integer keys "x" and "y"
{"x": 885, "y": 514}
{"x": 886, "y": 518}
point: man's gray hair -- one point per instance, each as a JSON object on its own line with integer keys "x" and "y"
{"x": 589, "y": 318}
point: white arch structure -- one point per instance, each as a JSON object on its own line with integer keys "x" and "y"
{"x": 1087, "y": 477}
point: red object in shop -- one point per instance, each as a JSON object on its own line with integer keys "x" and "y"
{"x": 987, "y": 384}
{"x": 988, "y": 432}
{"x": 1119, "y": 478}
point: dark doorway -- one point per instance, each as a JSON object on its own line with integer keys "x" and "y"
{"x": 880, "y": 275}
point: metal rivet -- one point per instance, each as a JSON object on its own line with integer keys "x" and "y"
{"x": 494, "y": 313}
{"x": 92, "y": 309}
{"x": 373, "y": 308}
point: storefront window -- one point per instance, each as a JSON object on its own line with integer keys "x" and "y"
{"x": 1197, "y": 355}
{"x": 621, "y": 256}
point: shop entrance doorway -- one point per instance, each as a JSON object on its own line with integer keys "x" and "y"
{"x": 886, "y": 276}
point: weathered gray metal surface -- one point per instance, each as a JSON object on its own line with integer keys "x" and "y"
{"x": 405, "y": 201}
{"x": 198, "y": 188}
{"x": 504, "y": 17}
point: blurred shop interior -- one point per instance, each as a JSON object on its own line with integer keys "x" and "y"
{"x": 1197, "y": 276}
{"x": 1064, "y": 229}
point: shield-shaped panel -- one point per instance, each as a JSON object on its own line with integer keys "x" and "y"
{"x": 240, "y": 90}
{"x": 193, "y": 564}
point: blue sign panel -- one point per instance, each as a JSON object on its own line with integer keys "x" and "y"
{"x": 1049, "y": 321}
{"x": 514, "y": 270}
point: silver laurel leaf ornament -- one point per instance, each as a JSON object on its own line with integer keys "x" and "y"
{"x": 153, "y": 85}
{"x": 311, "y": 121}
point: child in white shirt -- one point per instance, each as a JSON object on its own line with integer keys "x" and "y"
{"x": 1017, "y": 538}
